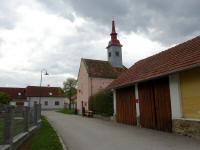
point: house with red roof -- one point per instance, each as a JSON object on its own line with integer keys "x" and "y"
{"x": 48, "y": 97}
{"x": 162, "y": 92}
{"x": 95, "y": 75}
{"x": 18, "y": 95}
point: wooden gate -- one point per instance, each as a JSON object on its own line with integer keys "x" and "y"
{"x": 125, "y": 106}
{"x": 155, "y": 106}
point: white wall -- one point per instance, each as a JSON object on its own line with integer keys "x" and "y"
{"x": 137, "y": 98}
{"x": 175, "y": 95}
{"x": 114, "y": 104}
{"x": 51, "y": 102}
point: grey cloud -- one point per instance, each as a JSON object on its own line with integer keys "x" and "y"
{"x": 8, "y": 17}
{"x": 167, "y": 21}
{"x": 59, "y": 7}
{"x": 66, "y": 57}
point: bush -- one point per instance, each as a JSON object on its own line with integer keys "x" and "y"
{"x": 4, "y": 98}
{"x": 67, "y": 111}
{"x": 102, "y": 103}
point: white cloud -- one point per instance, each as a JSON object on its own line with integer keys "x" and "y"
{"x": 40, "y": 38}
{"x": 137, "y": 47}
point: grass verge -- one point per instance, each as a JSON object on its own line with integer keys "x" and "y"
{"x": 43, "y": 139}
{"x": 67, "y": 111}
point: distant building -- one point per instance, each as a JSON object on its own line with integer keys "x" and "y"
{"x": 18, "y": 95}
{"x": 95, "y": 75}
{"x": 51, "y": 97}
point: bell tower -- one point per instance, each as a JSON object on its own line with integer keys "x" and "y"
{"x": 114, "y": 49}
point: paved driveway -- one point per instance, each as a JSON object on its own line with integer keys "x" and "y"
{"x": 80, "y": 133}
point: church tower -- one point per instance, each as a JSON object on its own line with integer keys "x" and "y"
{"x": 114, "y": 49}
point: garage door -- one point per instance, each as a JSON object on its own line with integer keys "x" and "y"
{"x": 125, "y": 106}
{"x": 155, "y": 106}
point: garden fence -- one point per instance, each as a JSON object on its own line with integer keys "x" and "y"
{"x": 16, "y": 120}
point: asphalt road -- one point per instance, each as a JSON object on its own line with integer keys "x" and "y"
{"x": 80, "y": 133}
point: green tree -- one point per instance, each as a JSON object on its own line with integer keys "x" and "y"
{"x": 4, "y": 98}
{"x": 69, "y": 88}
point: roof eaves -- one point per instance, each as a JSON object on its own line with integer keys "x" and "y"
{"x": 154, "y": 77}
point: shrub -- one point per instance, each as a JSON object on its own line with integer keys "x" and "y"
{"x": 4, "y": 98}
{"x": 102, "y": 103}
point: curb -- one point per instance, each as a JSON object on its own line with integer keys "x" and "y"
{"x": 62, "y": 142}
{"x": 59, "y": 137}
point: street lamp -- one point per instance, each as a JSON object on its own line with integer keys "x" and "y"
{"x": 45, "y": 73}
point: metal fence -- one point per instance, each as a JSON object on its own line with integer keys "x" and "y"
{"x": 17, "y": 120}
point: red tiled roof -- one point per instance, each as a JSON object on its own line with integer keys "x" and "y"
{"x": 36, "y": 91}
{"x": 15, "y": 93}
{"x": 102, "y": 69}
{"x": 178, "y": 58}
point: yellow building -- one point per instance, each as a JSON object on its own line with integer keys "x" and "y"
{"x": 190, "y": 93}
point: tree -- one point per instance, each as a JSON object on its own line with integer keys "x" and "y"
{"x": 69, "y": 88}
{"x": 4, "y": 98}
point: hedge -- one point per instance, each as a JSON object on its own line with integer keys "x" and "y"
{"x": 102, "y": 103}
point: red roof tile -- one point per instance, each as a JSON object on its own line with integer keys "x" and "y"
{"x": 36, "y": 91}
{"x": 102, "y": 69}
{"x": 15, "y": 93}
{"x": 178, "y": 58}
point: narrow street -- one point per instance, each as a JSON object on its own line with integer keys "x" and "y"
{"x": 80, "y": 133}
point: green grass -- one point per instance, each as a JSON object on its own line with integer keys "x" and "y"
{"x": 18, "y": 126}
{"x": 44, "y": 139}
{"x": 66, "y": 111}
{"x": 1, "y": 130}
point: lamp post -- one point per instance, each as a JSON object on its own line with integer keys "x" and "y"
{"x": 45, "y": 73}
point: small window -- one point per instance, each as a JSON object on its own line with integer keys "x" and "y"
{"x": 109, "y": 54}
{"x": 117, "y": 53}
{"x": 46, "y": 103}
{"x": 56, "y": 103}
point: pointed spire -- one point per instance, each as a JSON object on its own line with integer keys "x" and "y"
{"x": 114, "y": 40}
{"x": 113, "y": 27}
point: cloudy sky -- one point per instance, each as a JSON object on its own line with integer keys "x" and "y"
{"x": 56, "y": 34}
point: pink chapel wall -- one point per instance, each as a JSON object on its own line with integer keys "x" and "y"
{"x": 88, "y": 86}
{"x": 97, "y": 84}
{"x": 83, "y": 87}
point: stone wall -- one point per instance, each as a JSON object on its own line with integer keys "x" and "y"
{"x": 187, "y": 127}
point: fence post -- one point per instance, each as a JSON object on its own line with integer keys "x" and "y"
{"x": 39, "y": 111}
{"x": 26, "y": 118}
{"x": 35, "y": 114}
{"x": 8, "y": 127}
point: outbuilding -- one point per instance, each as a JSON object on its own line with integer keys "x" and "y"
{"x": 162, "y": 92}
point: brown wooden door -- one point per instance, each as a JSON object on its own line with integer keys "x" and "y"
{"x": 147, "y": 105}
{"x": 125, "y": 106}
{"x": 155, "y": 106}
